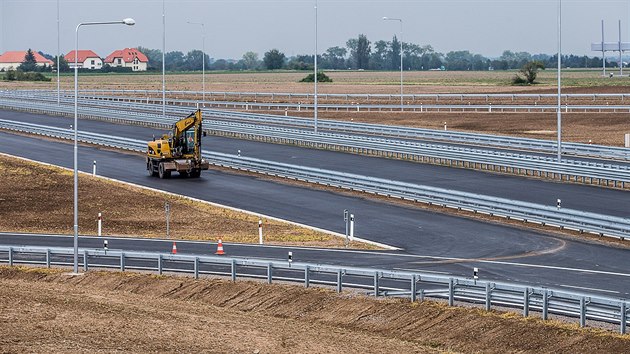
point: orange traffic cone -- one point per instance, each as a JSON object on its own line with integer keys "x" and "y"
{"x": 220, "y": 248}
{"x": 174, "y": 248}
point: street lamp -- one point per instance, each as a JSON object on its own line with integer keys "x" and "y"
{"x": 559, "y": 109}
{"x": 203, "y": 59}
{"x": 128, "y": 22}
{"x": 315, "y": 78}
{"x": 58, "y": 54}
{"x": 163, "y": 62}
{"x": 401, "y": 56}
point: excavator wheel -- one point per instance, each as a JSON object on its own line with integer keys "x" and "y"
{"x": 150, "y": 170}
{"x": 196, "y": 173}
{"x": 162, "y": 173}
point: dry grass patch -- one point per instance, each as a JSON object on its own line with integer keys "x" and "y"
{"x": 38, "y": 198}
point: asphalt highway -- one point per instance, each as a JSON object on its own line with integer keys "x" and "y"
{"x": 429, "y": 240}
{"x": 573, "y": 196}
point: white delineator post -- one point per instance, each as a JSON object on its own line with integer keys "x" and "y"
{"x": 100, "y": 224}
{"x": 628, "y": 140}
{"x": 260, "y": 238}
{"x": 351, "y": 227}
{"x": 94, "y": 169}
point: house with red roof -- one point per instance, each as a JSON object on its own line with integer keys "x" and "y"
{"x": 86, "y": 59}
{"x": 13, "y": 59}
{"x": 129, "y": 58}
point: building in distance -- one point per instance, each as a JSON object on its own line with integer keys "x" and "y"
{"x": 128, "y": 58}
{"x": 13, "y": 59}
{"x": 86, "y": 59}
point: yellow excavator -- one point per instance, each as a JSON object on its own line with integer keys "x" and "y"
{"x": 178, "y": 151}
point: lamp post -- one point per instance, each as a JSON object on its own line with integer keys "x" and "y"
{"x": 203, "y": 59}
{"x": 163, "y": 62}
{"x": 58, "y": 54}
{"x": 128, "y": 22}
{"x": 559, "y": 81}
{"x": 401, "y": 56}
{"x": 315, "y": 78}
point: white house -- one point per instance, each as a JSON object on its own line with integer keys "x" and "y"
{"x": 86, "y": 59}
{"x": 13, "y": 59}
{"x": 129, "y": 58}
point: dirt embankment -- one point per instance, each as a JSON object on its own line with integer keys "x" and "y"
{"x": 47, "y": 311}
{"x": 38, "y": 198}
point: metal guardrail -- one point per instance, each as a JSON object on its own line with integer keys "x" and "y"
{"x": 603, "y": 225}
{"x": 358, "y": 96}
{"x": 499, "y": 142}
{"x": 492, "y": 160}
{"x": 361, "y": 107}
{"x": 377, "y": 282}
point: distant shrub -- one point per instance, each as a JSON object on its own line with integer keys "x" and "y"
{"x": 18, "y": 75}
{"x": 517, "y": 80}
{"x": 321, "y": 77}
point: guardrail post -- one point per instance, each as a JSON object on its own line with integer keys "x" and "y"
{"x": 339, "y": 280}
{"x": 622, "y": 327}
{"x": 85, "y": 260}
{"x": 307, "y": 280}
{"x": 233, "y": 270}
{"x": 526, "y": 302}
{"x": 488, "y": 296}
{"x": 196, "y": 268}
{"x": 269, "y": 273}
{"x": 10, "y": 256}
{"x": 582, "y": 312}
{"x": 451, "y": 292}
{"x": 48, "y": 258}
{"x": 413, "y": 288}
{"x": 545, "y": 304}
{"x": 159, "y": 264}
{"x": 376, "y": 290}
{"x": 122, "y": 261}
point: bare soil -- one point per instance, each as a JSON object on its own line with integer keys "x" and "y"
{"x": 48, "y": 311}
{"x": 38, "y": 198}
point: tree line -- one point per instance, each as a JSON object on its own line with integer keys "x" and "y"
{"x": 361, "y": 53}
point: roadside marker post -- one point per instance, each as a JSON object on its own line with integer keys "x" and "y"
{"x": 346, "y": 220}
{"x": 559, "y": 203}
{"x": 476, "y": 273}
{"x": 260, "y": 235}
{"x": 94, "y": 169}
{"x": 351, "y": 227}
{"x": 105, "y": 245}
{"x": 290, "y": 258}
{"x": 99, "y": 224}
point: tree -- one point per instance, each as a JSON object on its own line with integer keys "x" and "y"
{"x": 154, "y": 56}
{"x": 29, "y": 63}
{"x": 63, "y": 64}
{"x": 194, "y": 60}
{"x": 529, "y": 71}
{"x": 250, "y": 60}
{"x": 274, "y": 59}
{"x": 379, "y": 55}
{"x": 394, "y": 56}
{"x": 174, "y": 60}
{"x": 363, "y": 52}
{"x": 334, "y": 58}
{"x": 301, "y": 62}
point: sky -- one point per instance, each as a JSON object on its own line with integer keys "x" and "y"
{"x": 233, "y": 27}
